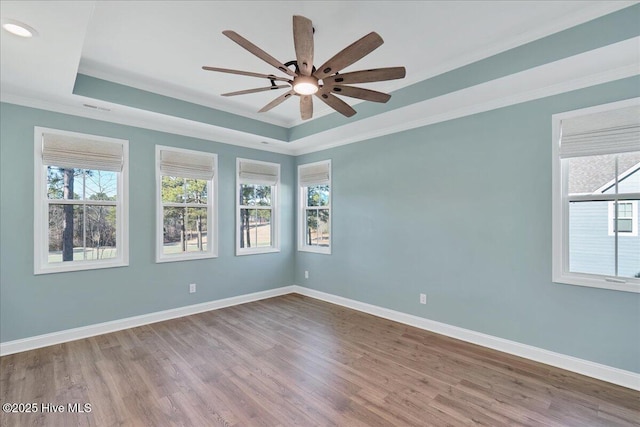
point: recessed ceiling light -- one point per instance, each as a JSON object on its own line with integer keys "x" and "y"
{"x": 18, "y": 28}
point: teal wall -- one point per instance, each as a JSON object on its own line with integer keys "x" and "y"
{"x": 104, "y": 90}
{"x": 461, "y": 211}
{"x": 33, "y": 305}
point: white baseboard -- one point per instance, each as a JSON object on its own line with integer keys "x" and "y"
{"x": 45, "y": 340}
{"x": 591, "y": 369}
{"x": 570, "y": 363}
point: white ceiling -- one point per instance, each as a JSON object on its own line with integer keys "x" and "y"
{"x": 161, "y": 46}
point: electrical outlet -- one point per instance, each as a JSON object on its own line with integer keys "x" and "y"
{"x": 423, "y": 298}
{"x": 306, "y": 274}
{"x": 192, "y": 288}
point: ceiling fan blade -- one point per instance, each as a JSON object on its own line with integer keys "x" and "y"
{"x": 246, "y": 73}
{"x": 336, "y": 103}
{"x": 350, "y": 54}
{"x": 279, "y": 100}
{"x": 306, "y": 107}
{"x": 303, "y": 42}
{"x": 360, "y": 93}
{"x": 366, "y": 76}
{"x": 260, "y": 89}
{"x": 258, "y": 52}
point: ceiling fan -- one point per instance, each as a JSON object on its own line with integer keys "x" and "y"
{"x": 323, "y": 81}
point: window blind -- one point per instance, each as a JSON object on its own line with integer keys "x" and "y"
{"x": 258, "y": 173}
{"x": 71, "y": 152}
{"x": 608, "y": 132}
{"x": 314, "y": 174}
{"x": 186, "y": 164}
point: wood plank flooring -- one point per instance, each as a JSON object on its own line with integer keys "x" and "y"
{"x": 294, "y": 360}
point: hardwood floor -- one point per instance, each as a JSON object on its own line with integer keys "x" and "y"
{"x": 293, "y": 360}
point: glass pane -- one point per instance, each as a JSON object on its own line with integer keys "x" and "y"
{"x": 263, "y": 195}
{"x": 628, "y": 239}
{"x": 197, "y": 191}
{"x": 591, "y": 245}
{"x": 100, "y": 185}
{"x": 196, "y": 235}
{"x": 318, "y": 230}
{"x": 100, "y": 232}
{"x": 173, "y": 189}
{"x": 173, "y": 231}
{"x": 255, "y": 228}
{"x": 66, "y": 233}
{"x": 625, "y": 226}
{"x": 311, "y": 217}
{"x": 246, "y": 194}
{"x": 318, "y": 195}
{"x": 263, "y": 227}
{"x": 64, "y": 183}
{"x": 255, "y": 195}
{"x": 593, "y": 174}
{"x": 625, "y": 210}
{"x": 629, "y": 168}
{"x": 245, "y": 228}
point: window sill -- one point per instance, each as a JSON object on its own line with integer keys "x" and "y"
{"x": 316, "y": 250}
{"x": 256, "y": 251}
{"x": 79, "y": 266}
{"x": 181, "y": 257}
{"x": 594, "y": 281}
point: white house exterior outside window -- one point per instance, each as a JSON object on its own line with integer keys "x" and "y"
{"x": 186, "y": 219}
{"x": 314, "y": 213}
{"x": 626, "y": 223}
{"x": 596, "y": 188}
{"x": 80, "y": 201}
{"x": 257, "y": 212}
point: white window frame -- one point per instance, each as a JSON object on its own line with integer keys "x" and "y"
{"x": 212, "y": 214}
{"x": 633, "y": 218}
{"x": 302, "y": 200}
{"x": 275, "y": 211}
{"x": 560, "y": 212}
{"x": 41, "y": 209}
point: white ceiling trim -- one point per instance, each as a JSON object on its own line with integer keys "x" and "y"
{"x": 598, "y": 66}
{"x": 591, "y": 68}
{"x": 589, "y": 12}
{"x": 104, "y": 72}
{"x": 129, "y": 116}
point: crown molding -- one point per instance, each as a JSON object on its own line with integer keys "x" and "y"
{"x": 602, "y": 65}
{"x": 610, "y": 63}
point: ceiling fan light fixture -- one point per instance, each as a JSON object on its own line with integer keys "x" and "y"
{"x": 307, "y": 77}
{"x": 305, "y": 85}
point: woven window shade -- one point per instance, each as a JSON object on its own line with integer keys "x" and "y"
{"x": 71, "y": 152}
{"x": 258, "y": 173}
{"x": 186, "y": 164}
{"x": 315, "y": 174}
{"x": 608, "y": 132}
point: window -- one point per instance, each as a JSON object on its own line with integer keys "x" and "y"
{"x": 186, "y": 197}
{"x": 314, "y": 216}
{"x": 627, "y": 219}
{"x": 80, "y": 202}
{"x": 596, "y": 188}
{"x": 257, "y": 207}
